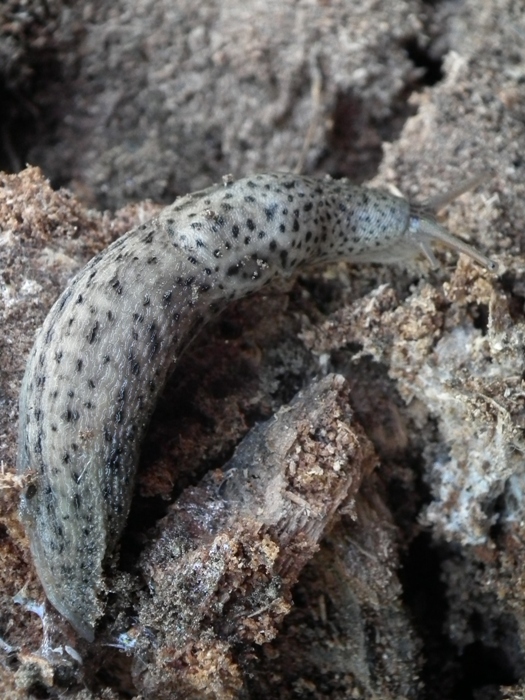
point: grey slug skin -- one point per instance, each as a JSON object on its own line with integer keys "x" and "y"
{"x": 109, "y": 342}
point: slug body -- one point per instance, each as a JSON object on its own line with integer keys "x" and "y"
{"x": 109, "y": 342}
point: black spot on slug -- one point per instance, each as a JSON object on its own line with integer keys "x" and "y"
{"x": 93, "y": 333}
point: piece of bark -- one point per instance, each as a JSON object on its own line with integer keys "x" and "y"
{"x": 221, "y": 569}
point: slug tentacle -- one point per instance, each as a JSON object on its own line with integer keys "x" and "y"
{"x": 108, "y": 344}
{"x": 436, "y": 203}
{"x": 425, "y": 230}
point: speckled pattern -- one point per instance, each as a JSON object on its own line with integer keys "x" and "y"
{"x": 108, "y": 344}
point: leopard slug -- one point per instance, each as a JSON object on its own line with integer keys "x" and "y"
{"x": 108, "y": 344}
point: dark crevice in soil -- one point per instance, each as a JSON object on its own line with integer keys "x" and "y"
{"x": 19, "y": 123}
{"x": 356, "y": 141}
{"x": 35, "y": 84}
{"x": 449, "y": 674}
{"x": 425, "y": 596}
{"x": 355, "y": 146}
{"x": 422, "y": 58}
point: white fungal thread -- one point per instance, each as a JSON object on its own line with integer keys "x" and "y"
{"x": 103, "y": 353}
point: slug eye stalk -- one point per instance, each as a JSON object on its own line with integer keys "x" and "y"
{"x": 425, "y": 229}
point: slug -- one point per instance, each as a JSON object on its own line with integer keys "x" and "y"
{"x": 108, "y": 344}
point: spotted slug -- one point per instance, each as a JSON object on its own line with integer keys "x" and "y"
{"x": 108, "y": 344}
